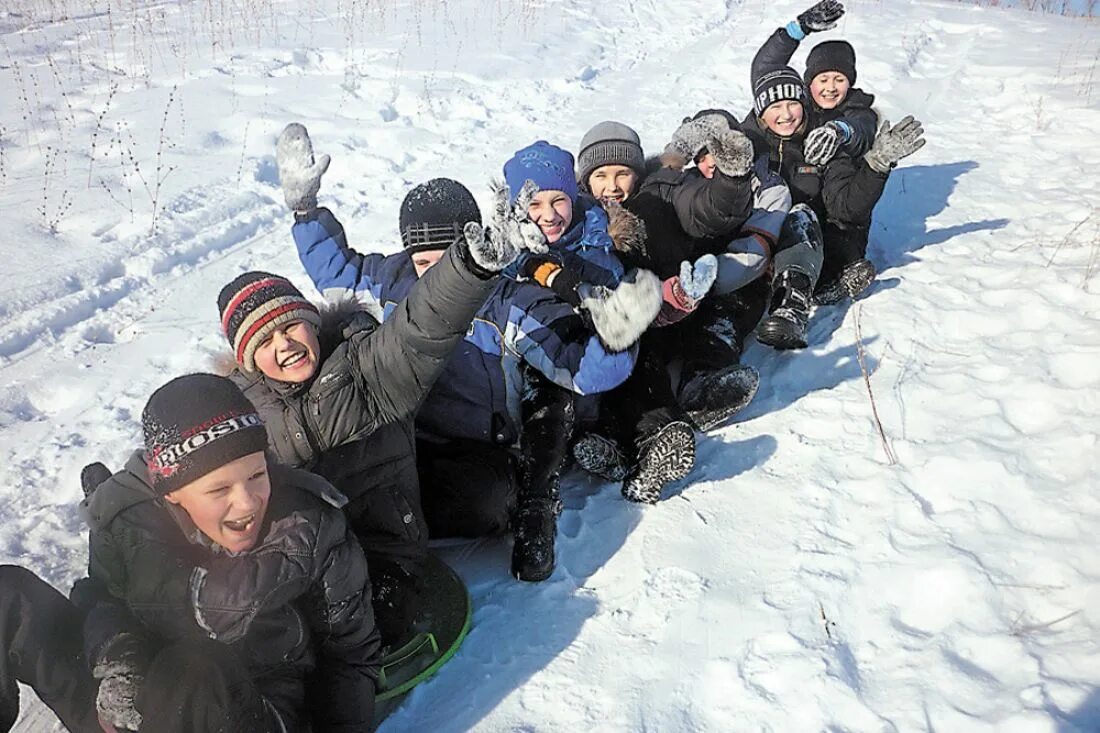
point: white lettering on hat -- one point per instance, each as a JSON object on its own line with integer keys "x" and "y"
{"x": 166, "y": 458}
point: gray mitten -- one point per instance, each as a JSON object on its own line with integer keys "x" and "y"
{"x": 694, "y": 134}
{"x": 821, "y": 17}
{"x": 299, "y": 173}
{"x": 512, "y": 231}
{"x": 732, "y": 152}
{"x": 695, "y": 280}
{"x": 120, "y": 672}
{"x": 622, "y": 315}
{"x": 823, "y": 142}
{"x": 894, "y": 143}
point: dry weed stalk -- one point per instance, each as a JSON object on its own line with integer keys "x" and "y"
{"x": 99, "y": 126}
{"x": 860, "y": 357}
{"x": 1068, "y": 237}
{"x": 51, "y": 216}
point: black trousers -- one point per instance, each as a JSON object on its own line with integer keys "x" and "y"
{"x": 470, "y": 488}
{"x": 191, "y": 687}
{"x": 41, "y": 642}
{"x": 843, "y": 246}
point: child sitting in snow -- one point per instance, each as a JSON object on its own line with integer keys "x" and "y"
{"x": 493, "y": 432}
{"x": 225, "y": 592}
{"x": 339, "y": 392}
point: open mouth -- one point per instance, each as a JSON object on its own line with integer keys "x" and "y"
{"x": 293, "y": 360}
{"x": 241, "y": 525}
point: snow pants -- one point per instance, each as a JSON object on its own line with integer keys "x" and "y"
{"x": 471, "y": 488}
{"x": 190, "y": 687}
{"x": 41, "y": 645}
{"x": 843, "y": 246}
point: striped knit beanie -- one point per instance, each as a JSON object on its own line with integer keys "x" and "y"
{"x": 254, "y": 305}
{"x": 609, "y": 143}
{"x": 776, "y": 85}
{"x": 196, "y": 424}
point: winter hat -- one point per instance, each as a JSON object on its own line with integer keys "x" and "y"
{"x": 774, "y": 86}
{"x": 609, "y": 143}
{"x": 832, "y": 56}
{"x": 550, "y": 167}
{"x": 434, "y": 213}
{"x": 194, "y": 425}
{"x": 254, "y": 305}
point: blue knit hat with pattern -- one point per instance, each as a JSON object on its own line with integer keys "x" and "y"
{"x": 550, "y": 167}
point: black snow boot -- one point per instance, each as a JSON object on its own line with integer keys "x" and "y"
{"x": 534, "y": 529}
{"x": 665, "y": 454}
{"x": 785, "y": 326}
{"x": 712, "y": 397}
{"x": 601, "y": 456}
{"x": 852, "y": 280}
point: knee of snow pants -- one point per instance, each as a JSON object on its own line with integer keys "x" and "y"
{"x": 800, "y": 247}
{"x": 41, "y": 645}
{"x": 468, "y": 487}
{"x": 204, "y": 686}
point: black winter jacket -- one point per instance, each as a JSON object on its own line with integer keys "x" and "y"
{"x": 285, "y": 610}
{"x": 842, "y": 192}
{"x": 687, "y": 215}
{"x": 352, "y": 423}
{"x": 856, "y": 109}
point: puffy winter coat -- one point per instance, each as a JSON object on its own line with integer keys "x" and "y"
{"x": 842, "y": 192}
{"x": 478, "y": 397}
{"x": 353, "y": 421}
{"x": 176, "y": 585}
{"x": 856, "y": 109}
{"x": 687, "y": 215}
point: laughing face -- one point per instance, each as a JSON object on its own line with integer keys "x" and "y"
{"x": 289, "y": 353}
{"x": 228, "y": 504}
{"x": 783, "y": 117}
{"x": 553, "y": 212}
{"x": 829, "y": 89}
{"x": 612, "y": 182}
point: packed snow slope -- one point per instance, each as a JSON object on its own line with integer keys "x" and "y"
{"x": 811, "y": 574}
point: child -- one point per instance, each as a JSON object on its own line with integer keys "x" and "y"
{"x": 224, "y": 592}
{"x": 339, "y": 394}
{"x": 491, "y": 434}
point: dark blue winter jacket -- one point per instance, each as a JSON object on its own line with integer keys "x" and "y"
{"x": 478, "y": 395}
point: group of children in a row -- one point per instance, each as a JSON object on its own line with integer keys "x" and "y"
{"x": 600, "y": 314}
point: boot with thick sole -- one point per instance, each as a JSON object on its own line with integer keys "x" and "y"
{"x": 666, "y": 456}
{"x": 852, "y": 280}
{"x": 785, "y": 326}
{"x": 713, "y": 397}
{"x": 601, "y": 456}
{"x": 535, "y": 527}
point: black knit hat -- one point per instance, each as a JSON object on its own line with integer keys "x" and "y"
{"x": 831, "y": 56}
{"x": 434, "y": 213}
{"x": 254, "y": 305}
{"x": 194, "y": 425}
{"x": 776, "y": 85}
{"x": 609, "y": 143}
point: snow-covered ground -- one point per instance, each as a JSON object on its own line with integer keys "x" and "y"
{"x": 799, "y": 580}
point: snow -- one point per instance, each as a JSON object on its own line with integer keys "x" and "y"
{"x": 798, "y": 580}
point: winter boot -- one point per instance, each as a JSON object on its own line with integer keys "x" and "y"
{"x": 785, "y": 327}
{"x": 852, "y": 280}
{"x": 665, "y": 456}
{"x": 711, "y": 398}
{"x": 534, "y": 528}
{"x": 601, "y": 456}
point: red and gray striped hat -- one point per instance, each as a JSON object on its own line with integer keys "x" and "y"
{"x": 254, "y": 305}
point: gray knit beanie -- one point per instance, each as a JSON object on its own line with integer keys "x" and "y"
{"x": 609, "y": 143}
